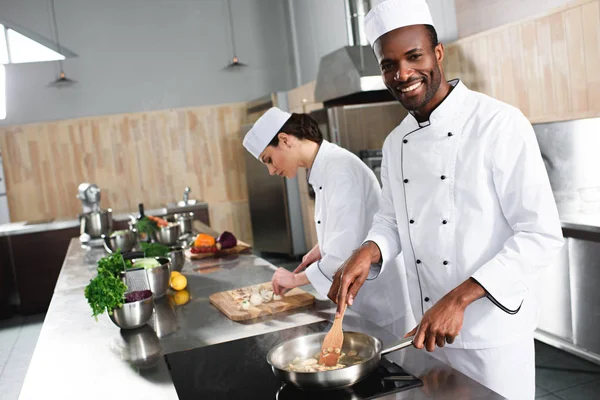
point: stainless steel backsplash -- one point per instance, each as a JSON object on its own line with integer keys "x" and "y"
{"x": 571, "y": 152}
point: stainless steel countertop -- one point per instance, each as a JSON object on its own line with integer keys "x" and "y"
{"x": 24, "y": 227}
{"x": 78, "y": 357}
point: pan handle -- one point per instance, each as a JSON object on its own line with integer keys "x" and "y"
{"x": 404, "y": 343}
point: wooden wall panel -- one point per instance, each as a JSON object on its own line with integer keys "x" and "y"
{"x": 591, "y": 39}
{"x": 474, "y": 16}
{"x": 144, "y": 157}
{"x": 574, "y": 34}
{"x": 546, "y": 66}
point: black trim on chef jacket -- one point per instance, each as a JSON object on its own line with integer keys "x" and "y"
{"x": 404, "y": 140}
{"x": 496, "y": 302}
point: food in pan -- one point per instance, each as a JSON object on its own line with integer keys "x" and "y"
{"x": 299, "y": 364}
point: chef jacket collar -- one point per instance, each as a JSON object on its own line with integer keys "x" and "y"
{"x": 448, "y": 107}
{"x": 318, "y": 170}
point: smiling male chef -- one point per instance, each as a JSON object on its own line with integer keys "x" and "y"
{"x": 466, "y": 197}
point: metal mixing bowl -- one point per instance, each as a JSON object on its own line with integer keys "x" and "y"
{"x": 133, "y": 315}
{"x": 158, "y": 277}
{"x": 168, "y": 235}
{"x": 177, "y": 257}
{"x": 120, "y": 240}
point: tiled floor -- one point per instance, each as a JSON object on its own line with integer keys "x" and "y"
{"x": 18, "y": 337}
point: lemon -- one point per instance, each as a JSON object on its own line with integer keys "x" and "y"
{"x": 174, "y": 273}
{"x": 181, "y": 297}
{"x": 178, "y": 282}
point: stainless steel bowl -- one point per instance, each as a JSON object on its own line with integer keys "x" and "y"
{"x": 140, "y": 347}
{"x": 185, "y": 221}
{"x": 121, "y": 240}
{"x": 168, "y": 235}
{"x": 177, "y": 257}
{"x": 98, "y": 223}
{"x": 158, "y": 277}
{"x": 133, "y": 315}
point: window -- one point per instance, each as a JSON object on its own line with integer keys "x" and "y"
{"x": 3, "y": 49}
{"x": 22, "y": 49}
{"x": 16, "y": 47}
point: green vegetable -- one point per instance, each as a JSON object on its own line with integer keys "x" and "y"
{"x": 112, "y": 264}
{"x": 154, "y": 249}
{"x": 105, "y": 292}
{"x": 146, "y": 263}
{"x": 146, "y": 225}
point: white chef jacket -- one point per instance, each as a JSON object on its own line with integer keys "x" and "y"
{"x": 466, "y": 194}
{"x": 347, "y": 196}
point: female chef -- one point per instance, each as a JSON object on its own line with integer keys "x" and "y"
{"x": 347, "y": 198}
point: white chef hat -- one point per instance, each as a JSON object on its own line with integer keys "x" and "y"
{"x": 264, "y": 130}
{"x": 393, "y": 14}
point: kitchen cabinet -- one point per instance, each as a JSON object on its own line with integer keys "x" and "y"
{"x": 6, "y": 279}
{"x": 569, "y": 297}
{"x": 585, "y": 276}
{"x": 37, "y": 259}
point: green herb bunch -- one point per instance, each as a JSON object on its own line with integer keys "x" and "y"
{"x": 106, "y": 291}
{"x": 146, "y": 225}
{"x": 154, "y": 250}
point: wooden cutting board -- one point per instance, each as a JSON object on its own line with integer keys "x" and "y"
{"x": 240, "y": 248}
{"x": 225, "y": 302}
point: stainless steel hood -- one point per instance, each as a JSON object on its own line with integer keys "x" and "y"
{"x": 353, "y": 69}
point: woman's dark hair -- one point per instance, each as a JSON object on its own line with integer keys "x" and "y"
{"x": 301, "y": 126}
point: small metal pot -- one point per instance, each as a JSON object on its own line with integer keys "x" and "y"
{"x": 98, "y": 223}
{"x": 177, "y": 257}
{"x": 185, "y": 222}
{"x": 168, "y": 235}
{"x": 123, "y": 240}
{"x": 133, "y": 315}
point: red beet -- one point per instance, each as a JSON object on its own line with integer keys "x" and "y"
{"x": 137, "y": 296}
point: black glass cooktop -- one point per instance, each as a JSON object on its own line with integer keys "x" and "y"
{"x": 239, "y": 370}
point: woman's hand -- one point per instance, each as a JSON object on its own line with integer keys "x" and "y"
{"x": 284, "y": 280}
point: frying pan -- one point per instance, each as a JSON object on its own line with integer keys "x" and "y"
{"x": 369, "y": 349}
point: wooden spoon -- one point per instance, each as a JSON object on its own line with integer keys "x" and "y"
{"x": 332, "y": 345}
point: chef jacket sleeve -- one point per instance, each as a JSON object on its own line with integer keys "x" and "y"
{"x": 343, "y": 230}
{"x": 384, "y": 231}
{"x": 523, "y": 189}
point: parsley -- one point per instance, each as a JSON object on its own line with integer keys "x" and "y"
{"x": 113, "y": 263}
{"x": 154, "y": 249}
{"x": 106, "y": 291}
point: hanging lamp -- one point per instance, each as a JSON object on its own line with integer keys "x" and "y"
{"x": 62, "y": 80}
{"x": 235, "y": 62}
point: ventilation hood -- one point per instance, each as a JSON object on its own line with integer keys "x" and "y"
{"x": 348, "y": 71}
{"x": 351, "y": 70}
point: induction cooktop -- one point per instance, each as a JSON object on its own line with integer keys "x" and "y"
{"x": 239, "y": 370}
